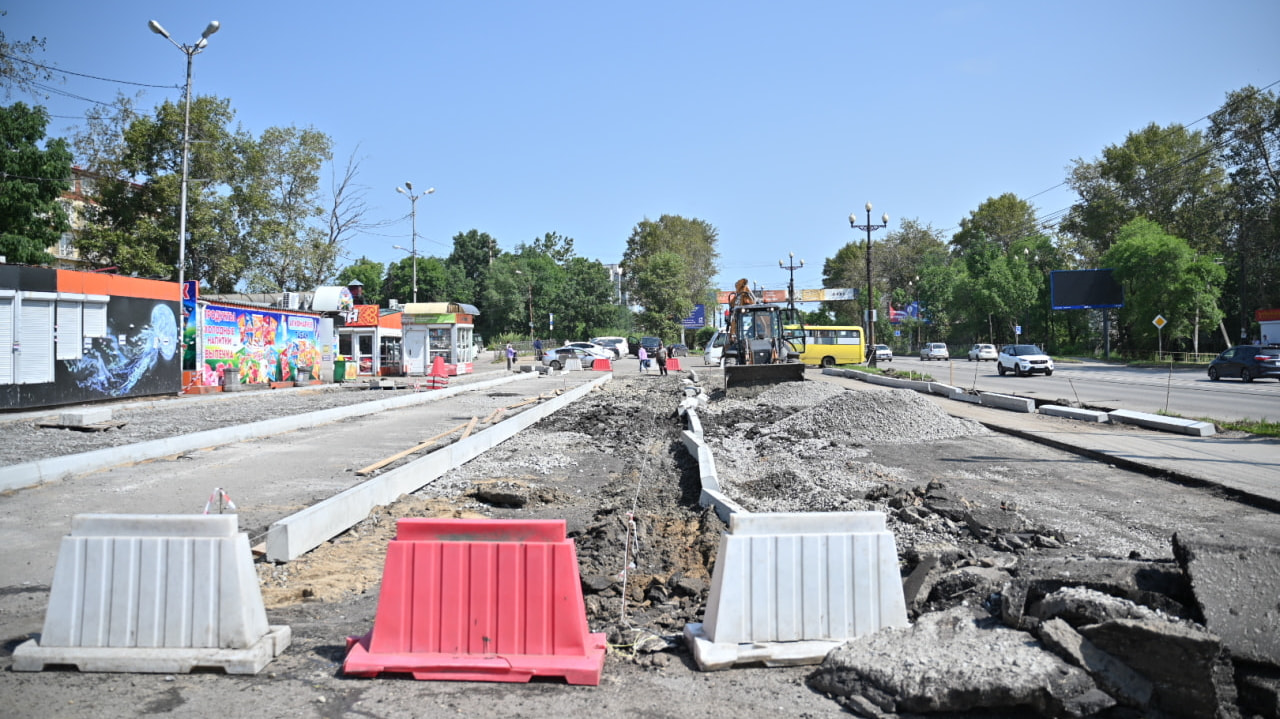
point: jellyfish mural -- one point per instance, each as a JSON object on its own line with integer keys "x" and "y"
{"x": 113, "y": 368}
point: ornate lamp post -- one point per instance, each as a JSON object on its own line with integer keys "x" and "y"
{"x": 871, "y": 309}
{"x": 791, "y": 285}
{"x": 190, "y": 51}
{"x": 413, "y": 222}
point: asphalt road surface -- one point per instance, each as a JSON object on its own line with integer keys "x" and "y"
{"x": 1184, "y": 392}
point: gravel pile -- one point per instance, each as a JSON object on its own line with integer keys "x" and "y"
{"x": 802, "y": 446}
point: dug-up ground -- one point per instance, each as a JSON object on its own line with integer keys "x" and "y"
{"x": 1038, "y": 583}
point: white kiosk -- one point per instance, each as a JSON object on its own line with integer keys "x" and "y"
{"x": 439, "y": 329}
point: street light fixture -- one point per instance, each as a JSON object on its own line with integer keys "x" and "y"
{"x": 190, "y": 51}
{"x": 413, "y": 221}
{"x": 871, "y": 310}
{"x": 791, "y": 286}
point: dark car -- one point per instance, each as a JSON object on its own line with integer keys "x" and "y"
{"x": 1248, "y": 362}
{"x": 678, "y": 351}
{"x": 650, "y": 345}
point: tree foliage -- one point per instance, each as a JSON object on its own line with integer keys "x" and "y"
{"x": 31, "y": 180}
{"x": 668, "y": 291}
{"x": 19, "y": 72}
{"x": 371, "y": 275}
{"x": 1162, "y": 275}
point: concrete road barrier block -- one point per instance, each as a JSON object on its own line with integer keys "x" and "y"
{"x": 1085, "y": 415}
{"x": 1179, "y": 425}
{"x": 85, "y": 417}
{"x": 1006, "y": 401}
{"x": 154, "y": 593}
{"x": 787, "y": 588}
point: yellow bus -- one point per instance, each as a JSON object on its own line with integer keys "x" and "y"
{"x": 827, "y": 345}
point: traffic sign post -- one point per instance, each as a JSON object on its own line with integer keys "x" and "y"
{"x": 1159, "y": 322}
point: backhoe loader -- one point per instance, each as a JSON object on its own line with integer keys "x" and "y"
{"x": 765, "y": 342}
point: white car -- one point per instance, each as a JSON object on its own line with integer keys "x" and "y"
{"x": 617, "y": 344}
{"x": 934, "y": 351}
{"x": 982, "y": 352}
{"x": 715, "y": 348}
{"x": 558, "y": 357}
{"x": 1023, "y": 360}
{"x": 600, "y": 350}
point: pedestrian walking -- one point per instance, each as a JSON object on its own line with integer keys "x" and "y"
{"x": 537, "y": 349}
{"x": 644, "y": 360}
{"x": 662, "y": 360}
{"x": 511, "y": 355}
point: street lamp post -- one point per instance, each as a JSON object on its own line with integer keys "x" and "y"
{"x": 791, "y": 285}
{"x": 413, "y": 223}
{"x": 190, "y": 51}
{"x": 871, "y": 310}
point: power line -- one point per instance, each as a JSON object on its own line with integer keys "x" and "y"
{"x": 86, "y": 75}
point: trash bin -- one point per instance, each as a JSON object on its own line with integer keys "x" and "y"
{"x": 339, "y": 370}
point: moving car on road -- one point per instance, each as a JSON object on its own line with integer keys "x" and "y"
{"x": 982, "y": 352}
{"x": 934, "y": 351}
{"x": 678, "y": 350}
{"x": 1248, "y": 362}
{"x": 1023, "y": 360}
{"x": 884, "y": 353}
{"x": 617, "y": 344}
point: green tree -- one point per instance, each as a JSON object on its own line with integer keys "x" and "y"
{"x": 277, "y": 199}
{"x": 1247, "y": 127}
{"x": 1162, "y": 275}
{"x": 585, "y": 303}
{"x": 675, "y": 289}
{"x": 1003, "y": 220}
{"x": 473, "y": 252}
{"x": 437, "y": 280}
{"x": 1169, "y": 175}
{"x": 18, "y": 72}
{"x": 370, "y": 274}
{"x": 31, "y": 180}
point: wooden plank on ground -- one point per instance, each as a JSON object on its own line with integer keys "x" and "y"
{"x": 470, "y": 426}
{"x": 400, "y": 455}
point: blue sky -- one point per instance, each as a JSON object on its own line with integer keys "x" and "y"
{"x": 771, "y": 121}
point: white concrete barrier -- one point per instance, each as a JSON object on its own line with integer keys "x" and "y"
{"x": 1192, "y": 427}
{"x": 1084, "y": 415}
{"x": 788, "y": 588}
{"x": 291, "y": 537}
{"x": 1006, "y": 401}
{"x": 154, "y": 593}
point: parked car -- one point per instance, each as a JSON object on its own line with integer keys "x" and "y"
{"x": 715, "y": 348}
{"x": 607, "y": 352}
{"x": 1248, "y": 362}
{"x": 558, "y": 357}
{"x": 618, "y": 344}
{"x": 678, "y": 350}
{"x": 1023, "y": 360}
{"x": 934, "y": 351}
{"x": 650, "y": 345}
{"x": 982, "y": 352}
{"x": 883, "y": 353}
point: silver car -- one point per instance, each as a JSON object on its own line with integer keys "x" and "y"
{"x": 982, "y": 352}
{"x": 934, "y": 351}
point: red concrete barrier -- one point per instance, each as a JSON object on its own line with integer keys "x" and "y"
{"x": 480, "y": 600}
{"x": 673, "y": 363}
{"x": 602, "y": 365}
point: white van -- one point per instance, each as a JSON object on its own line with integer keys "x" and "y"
{"x": 715, "y": 348}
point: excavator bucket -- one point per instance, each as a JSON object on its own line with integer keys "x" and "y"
{"x": 737, "y": 377}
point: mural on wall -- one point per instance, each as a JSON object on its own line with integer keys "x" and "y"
{"x": 114, "y": 365}
{"x": 263, "y": 345}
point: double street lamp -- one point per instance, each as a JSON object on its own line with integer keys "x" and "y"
{"x": 413, "y": 220}
{"x": 190, "y": 51}
{"x": 871, "y": 309}
{"x": 791, "y": 286}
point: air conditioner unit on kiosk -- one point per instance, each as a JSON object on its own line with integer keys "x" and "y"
{"x": 290, "y": 300}
{"x": 393, "y": 304}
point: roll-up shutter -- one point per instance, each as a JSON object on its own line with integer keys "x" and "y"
{"x": 95, "y": 317}
{"x": 35, "y": 341}
{"x": 70, "y": 339}
{"x": 6, "y": 340}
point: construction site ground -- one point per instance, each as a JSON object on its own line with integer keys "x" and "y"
{"x": 611, "y": 465}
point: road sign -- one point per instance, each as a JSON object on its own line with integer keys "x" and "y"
{"x": 1159, "y": 322}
